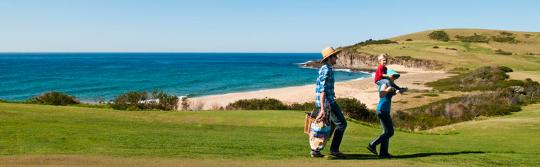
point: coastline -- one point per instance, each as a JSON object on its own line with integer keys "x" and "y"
{"x": 362, "y": 89}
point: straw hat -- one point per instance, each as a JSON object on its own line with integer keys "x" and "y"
{"x": 327, "y": 52}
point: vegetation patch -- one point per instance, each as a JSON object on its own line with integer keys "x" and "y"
{"x": 374, "y": 42}
{"x": 499, "y": 96}
{"x": 257, "y": 104}
{"x": 141, "y": 100}
{"x": 484, "y": 78}
{"x": 357, "y": 110}
{"x": 53, "y": 98}
{"x": 430, "y": 94}
{"x": 473, "y": 38}
{"x": 505, "y": 37}
{"x": 439, "y": 35}
{"x": 502, "y": 52}
{"x": 351, "y": 107}
{"x": 457, "y": 109}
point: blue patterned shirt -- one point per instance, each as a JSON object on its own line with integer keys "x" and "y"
{"x": 325, "y": 83}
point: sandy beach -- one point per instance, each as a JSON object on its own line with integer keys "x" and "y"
{"x": 362, "y": 89}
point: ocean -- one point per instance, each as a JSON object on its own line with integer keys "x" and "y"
{"x": 97, "y": 76}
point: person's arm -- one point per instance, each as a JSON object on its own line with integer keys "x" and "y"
{"x": 323, "y": 79}
{"x": 322, "y": 112}
{"x": 385, "y": 90}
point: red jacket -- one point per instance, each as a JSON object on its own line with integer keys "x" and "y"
{"x": 379, "y": 73}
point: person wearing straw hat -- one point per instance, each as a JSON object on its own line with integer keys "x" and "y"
{"x": 386, "y": 91}
{"x": 326, "y": 102}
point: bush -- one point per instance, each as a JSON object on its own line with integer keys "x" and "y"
{"x": 473, "y": 38}
{"x": 53, "y": 98}
{"x": 408, "y": 39}
{"x": 302, "y": 107}
{"x": 439, "y": 35}
{"x": 349, "y": 106}
{"x": 484, "y": 78}
{"x": 504, "y": 39}
{"x": 257, "y": 104}
{"x": 3, "y": 101}
{"x": 507, "y": 33}
{"x": 355, "y": 109}
{"x": 502, "y": 52}
{"x": 458, "y": 109}
{"x": 141, "y": 101}
{"x": 374, "y": 42}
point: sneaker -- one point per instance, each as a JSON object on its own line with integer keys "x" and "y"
{"x": 316, "y": 154}
{"x": 337, "y": 154}
{"x": 372, "y": 149}
{"x": 385, "y": 156}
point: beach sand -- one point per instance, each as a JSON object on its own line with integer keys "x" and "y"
{"x": 363, "y": 89}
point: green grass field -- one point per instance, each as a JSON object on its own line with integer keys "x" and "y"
{"x": 77, "y": 135}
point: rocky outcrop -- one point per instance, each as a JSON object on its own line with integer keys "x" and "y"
{"x": 361, "y": 61}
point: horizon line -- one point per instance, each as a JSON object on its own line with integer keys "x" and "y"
{"x": 67, "y": 52}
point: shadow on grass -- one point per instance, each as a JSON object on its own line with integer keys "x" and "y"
{"x": 416, "y": 155}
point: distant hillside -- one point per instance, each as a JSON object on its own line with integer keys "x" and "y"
{"x": 465, "y": 49}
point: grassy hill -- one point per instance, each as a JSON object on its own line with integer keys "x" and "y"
{"x": 72, "y": 136}
{"x": 525, "y": 54}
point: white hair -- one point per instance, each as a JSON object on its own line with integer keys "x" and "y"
{"x": 382, "y": 56}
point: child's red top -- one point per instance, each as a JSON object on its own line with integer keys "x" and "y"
{"x": 381, "y": 69}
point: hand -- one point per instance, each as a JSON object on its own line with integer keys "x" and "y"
{"x": 321, "y": 116}
{"x": 390, "y": 89}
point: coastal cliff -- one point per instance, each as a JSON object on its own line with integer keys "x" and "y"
{"x": 361, "y": 61}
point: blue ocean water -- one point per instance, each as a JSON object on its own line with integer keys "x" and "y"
{"x": 91, "y": 76}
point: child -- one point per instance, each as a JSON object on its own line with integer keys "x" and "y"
{"x": 382, "y": 78}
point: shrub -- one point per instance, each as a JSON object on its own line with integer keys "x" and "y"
{"x": 458, "y": 109}
{"x": 439, "y": 35}
{"x": 504, "y": 39}
{"x": 53, "y": 98}
{"x": 430, "y": 94}
{"x": 374, "y": 42}
{"x": 257, "y": 104}
{"x": 507, "y": 33}
{"x": 165, "y": 101}
{"x": 349, "y": 106}
{"x": 355, "y": 109}
{"x": 130, "y": 101}
{"x": 435, "y": 47}
{"x": 141, "y": 101}
{"x": 484, "y": 78}
{"x": 473, "y": 38}
{"x": 3, "y": 101}
{"x": 408, "y": 39}
{"x": 309, "y": 106}
{"x": 502, "y": 52}
{"x": 184, "y": 103}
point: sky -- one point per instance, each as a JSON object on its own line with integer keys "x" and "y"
{"x": 240, "y": 25}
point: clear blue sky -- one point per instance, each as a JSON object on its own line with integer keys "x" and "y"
{"x": 240, "y": 25}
